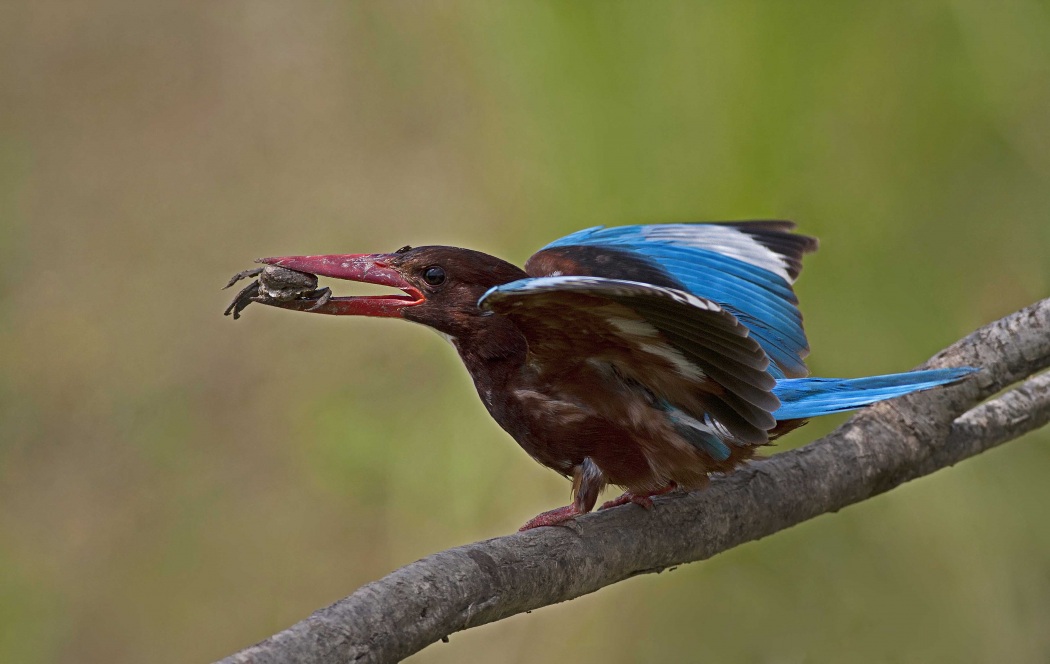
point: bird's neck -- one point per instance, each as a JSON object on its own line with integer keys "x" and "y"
{"x": 494, "y": 355}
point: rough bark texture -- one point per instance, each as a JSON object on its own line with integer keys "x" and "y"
{"x": 875, "y": 451}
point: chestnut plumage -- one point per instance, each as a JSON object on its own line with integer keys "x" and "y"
{"x": 645, "y": 357}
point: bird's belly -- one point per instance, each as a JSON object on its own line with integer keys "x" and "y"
{"x": 634, "y": 445}
{"x": 560, "y": 434}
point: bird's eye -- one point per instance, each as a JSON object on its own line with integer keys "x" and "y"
{"x": 434, "y": 275}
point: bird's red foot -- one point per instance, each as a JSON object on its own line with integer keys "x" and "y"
{"x": 643, "y": 499}
{"x": 551, "y": 518}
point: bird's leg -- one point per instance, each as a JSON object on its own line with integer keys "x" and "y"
{"x": 643, "y": 499}
{"x": 587, "y": 482}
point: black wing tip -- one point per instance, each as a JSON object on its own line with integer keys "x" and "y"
{"x": 777, "y": 235}
{"x": 779, "y": 225}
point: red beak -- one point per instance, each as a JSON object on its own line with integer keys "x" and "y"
{"x": 364, "y": 268}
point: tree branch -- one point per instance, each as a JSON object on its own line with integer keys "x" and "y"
{"x": 875, "y": 451}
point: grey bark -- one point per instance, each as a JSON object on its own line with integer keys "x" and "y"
{"x": 875, "y": 451}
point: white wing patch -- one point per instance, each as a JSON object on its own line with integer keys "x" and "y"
{"x": 676, "y": 358}
{"x": 637, "y": 328}
{"x": 725, "y": 240}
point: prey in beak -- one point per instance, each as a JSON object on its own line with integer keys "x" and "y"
{"x": 290, "y": 282}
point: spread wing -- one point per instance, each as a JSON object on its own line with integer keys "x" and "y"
{"x": 691, "y": 355}
{"x": 747, "y": 267}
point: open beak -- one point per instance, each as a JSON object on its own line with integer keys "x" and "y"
{"x": 364, "y": 268}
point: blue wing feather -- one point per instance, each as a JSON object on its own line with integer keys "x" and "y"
{"x": 767, "y": 307}
{"x": 731, "y": 265}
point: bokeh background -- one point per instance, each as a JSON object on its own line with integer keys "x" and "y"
{"x": 175, "y": 486}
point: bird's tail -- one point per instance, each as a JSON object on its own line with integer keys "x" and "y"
{"x": 802, "y": 398}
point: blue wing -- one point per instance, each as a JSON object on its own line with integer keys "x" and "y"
{"x": 747, "y": 267}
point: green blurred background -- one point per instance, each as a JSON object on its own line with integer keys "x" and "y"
{"x": 162, "y": 500}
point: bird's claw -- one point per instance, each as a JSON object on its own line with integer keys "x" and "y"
{"x": 551, "y": 518}
{"x": 626, "y": 499}
{"x": 644, "y": 500}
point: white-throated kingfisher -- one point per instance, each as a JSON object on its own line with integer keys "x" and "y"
{"x": 643, "y": 356}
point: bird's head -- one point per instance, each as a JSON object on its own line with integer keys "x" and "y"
{"x": 441, "y": 285}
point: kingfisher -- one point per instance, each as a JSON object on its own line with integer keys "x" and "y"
{"x": 646, "y": 357}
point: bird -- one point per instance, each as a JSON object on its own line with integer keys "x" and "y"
{"x": 647, "y": 357}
